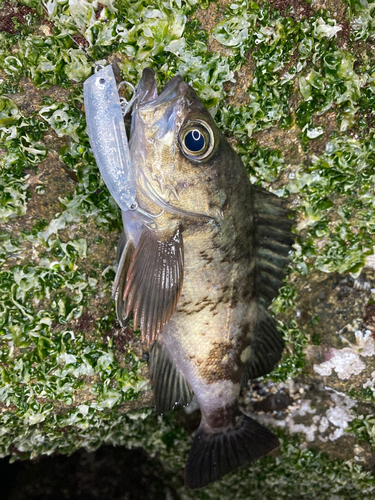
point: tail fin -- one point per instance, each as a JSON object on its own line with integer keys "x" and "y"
{"x": 213, "y": 455}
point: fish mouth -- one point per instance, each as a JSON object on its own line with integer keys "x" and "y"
{"x": 160, "y": 111}
{"x": 147, "y": 92}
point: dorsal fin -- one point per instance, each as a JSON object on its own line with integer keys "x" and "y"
{"x": 273, "y": 241}
{"x": 149, "y": 281}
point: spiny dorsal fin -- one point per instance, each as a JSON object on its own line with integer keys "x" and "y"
{"x": 149, "y": 281}
{"x": 266, "y": 347}
{"x": 273, "y": 241}
{"x": 170, "y": 386}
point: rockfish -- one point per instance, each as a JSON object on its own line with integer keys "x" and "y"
{"x": 202, "y": 258}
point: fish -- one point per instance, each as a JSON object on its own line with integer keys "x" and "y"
{"x": 202, "y": 255}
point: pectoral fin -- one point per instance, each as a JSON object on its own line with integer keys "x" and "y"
{"x": 125, "y": 255}
{"x": 149, "y": 281}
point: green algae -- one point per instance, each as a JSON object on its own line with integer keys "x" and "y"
{"x": 366, "y": 395}
{"x": 293, "y": 360}
{"x": 363, "y": 428}
{"x": 20, "y": 136}
{"x": 63, "y": 388}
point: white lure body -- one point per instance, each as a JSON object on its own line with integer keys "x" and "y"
{"x": 106, "y": 130}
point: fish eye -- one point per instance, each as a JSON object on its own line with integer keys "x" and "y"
{"x": 197, "y": 140}
{"x": 194, "y": 141}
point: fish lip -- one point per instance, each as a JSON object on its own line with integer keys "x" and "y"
{"x": 147, "y": 90}
{"x": 147, "y": 94}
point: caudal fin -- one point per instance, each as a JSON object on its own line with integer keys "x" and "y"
{"x": 213, "y": 455}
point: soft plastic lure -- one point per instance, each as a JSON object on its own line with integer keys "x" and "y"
{"x": 106, "y": 129}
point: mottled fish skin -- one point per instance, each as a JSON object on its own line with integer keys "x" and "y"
{"x": 207, "y": 336}
{"x": 212, "y": 324}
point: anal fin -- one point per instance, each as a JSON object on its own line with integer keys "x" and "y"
{"x": 170, "y": 386}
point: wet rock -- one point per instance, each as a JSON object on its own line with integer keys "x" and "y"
{"x": 273, "y": 402}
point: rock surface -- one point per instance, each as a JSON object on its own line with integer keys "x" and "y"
{"x": 70, "y": 376}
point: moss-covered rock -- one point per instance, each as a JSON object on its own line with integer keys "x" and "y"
{"x": 291, "y": 84}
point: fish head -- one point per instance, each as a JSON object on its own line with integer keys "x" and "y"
{"x": 177, "y": 149}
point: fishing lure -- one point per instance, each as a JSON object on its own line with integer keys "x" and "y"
{"x": 106, "y": 129}
{"x": 105, "y": 112}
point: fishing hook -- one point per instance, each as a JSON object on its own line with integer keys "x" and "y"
{"x": 127, "y": 105}
{"x": 150, "y": 224}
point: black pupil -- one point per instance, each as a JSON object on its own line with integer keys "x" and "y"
{"x": 194, "y": 140}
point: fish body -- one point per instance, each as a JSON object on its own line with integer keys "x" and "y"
{"x": 202, "y": 258}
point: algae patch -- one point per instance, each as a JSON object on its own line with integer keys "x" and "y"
{"x": 305, "y": 131}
